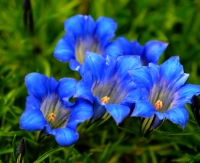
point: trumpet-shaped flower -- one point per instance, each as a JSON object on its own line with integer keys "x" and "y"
{"x": 48, "y": 108}
{"x": 107, "y": 84}
{"x": 165, "y": 93}
{"x": 149, "y": 53}
{"x": 84, "y": 34}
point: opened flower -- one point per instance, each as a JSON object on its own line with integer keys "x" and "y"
{"x": 48, "y": 108}
{"x": 149, "y": 53}
{"x": 165, "y": 93}
{"x": 83, "y": 35}
{"x": 107, "y": 84}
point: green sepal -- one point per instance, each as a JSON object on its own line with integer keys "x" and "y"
{"x": 20, "y": 152}
{"x": 149, "y": 124}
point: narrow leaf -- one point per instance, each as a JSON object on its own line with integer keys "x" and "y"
{"x": 47, "y": 154}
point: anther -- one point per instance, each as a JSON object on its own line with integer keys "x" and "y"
{"x": 105, "y": 99}
{"x": 158, "y": 105}
{"x": 51, "y": 117}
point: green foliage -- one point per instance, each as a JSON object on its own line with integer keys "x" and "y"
{"x": 175, "y": 21}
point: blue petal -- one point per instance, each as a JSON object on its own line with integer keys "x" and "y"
{"x": 133, "y": 96}
{"x": 80, "y": 25}
{"x": 185, "y": 94}
{"x": 137, "y": 49}
{"x": 160, "y": 115}
{"x": 173, "y": 77}
{"x": 113, "y": 50}
{"x": 142, "y": 78}
{"x": 52, "y": 85}
{"x": 89, "y": 26}
{"x": 109, "y": 69}
{"x": 32, "y": 120}
{"x": 66, "y": 89}
{"x": 123, "y": 80}
{"x": 127, "y": 85}
{"x": 83, "y": 90}
{"x": 37, "y": 85}
{"x": 143, "y": 109}
{"x": 154, "y": 70}
{"x": 179, "y": 82}
{"x": 105, "y": 28}
{"x": 64, "y": 50}
{"x": 126, "y": 63}
{"x": 126, "y": 45}
{"x": 75, "y": 25}
{"x": 86, "y": 76}
{"x": 99, "y": 110}
{"x": 178, "y": 116}
{"x": 74, "y": 65}
{"x": 170, "y": 70}
{"x": 94, "y": 63}
{"x": 118, "y": 112}
{"x": 32, "y": 103}
{"x": 65, "y": 136}
{"x": 124, "y": 86}
{"x": 153, "y": 50}
{"x": 80, "y": 112}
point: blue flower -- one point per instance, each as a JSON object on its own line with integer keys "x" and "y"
{"x": 164, "y": 92}
{"x": 84, "y": 34}
{"x": 149, "y": 53}
{"x": 107, "y": 84}
{"x": 48, "y": 108}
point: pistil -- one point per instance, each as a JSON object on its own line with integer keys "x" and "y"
{"x": 105, "y": 99}
{"x": 158, "y": 105}
{"x": 51, "y": 117}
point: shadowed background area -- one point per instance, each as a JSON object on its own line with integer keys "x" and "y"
{"x": 29, "y": 32}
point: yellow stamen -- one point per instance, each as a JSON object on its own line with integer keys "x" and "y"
{"x": 51, "y": 117}
{"x": 105, "y": 99}
{"x": 158, "y": 105}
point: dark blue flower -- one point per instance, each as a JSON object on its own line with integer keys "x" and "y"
{"x": 48, "y": 108}
{"x": 107, "y": 84}
{"x": 149, "y": 53}
{"x": 164, "y": 92}
{"x": 84, "y": 34}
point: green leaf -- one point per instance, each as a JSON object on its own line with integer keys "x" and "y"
{"x": 6, "y": 151}
{"x": 14, "y": 146}
{"x": 127, "y": 129}
{"x": 178, "y": 134}
{"x": 69, "y": 154}
{"x": 6, "y": 134}
{"x": 47, "y": 154}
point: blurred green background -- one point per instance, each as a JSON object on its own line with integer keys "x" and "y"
{"x": 22, "y": 52}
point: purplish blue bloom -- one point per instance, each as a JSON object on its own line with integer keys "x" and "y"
{"x": 83, "y": 35}
{"x": 107, "y": 84}
{"x": 165, "y": 93}
{"x": 48, "y": 108}
{"x": 149, "y": 53}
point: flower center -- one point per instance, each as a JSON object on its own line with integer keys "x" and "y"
{"x": 51, "y": 117}
{"x": 158, "y": 105}
{"x": 54, "y": 112}
{"x": 105, "y": 99}
{"x": 86, "y": 44}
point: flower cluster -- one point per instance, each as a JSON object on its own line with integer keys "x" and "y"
{"x": 119, "y": 78}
